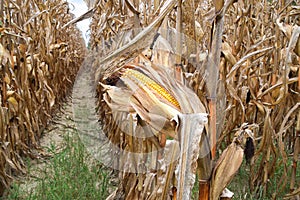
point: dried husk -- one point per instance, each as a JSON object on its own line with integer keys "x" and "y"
{"x": 230, "y": 161}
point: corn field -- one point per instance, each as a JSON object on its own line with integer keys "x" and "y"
{"x": 194, "y": 87}
{"x": 241, "y": 58}
{"x": 39, "y": 61}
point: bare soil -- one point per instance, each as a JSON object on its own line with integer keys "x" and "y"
{"x": 52, "y": 142}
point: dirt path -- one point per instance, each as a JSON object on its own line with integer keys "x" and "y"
{"x": 77, "y": 117}
{"x": 52, "y": 142}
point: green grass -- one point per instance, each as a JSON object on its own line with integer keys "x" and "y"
{"x": 240, "y": 183}
{"x": 195, "y": 190}
{"x": 69, "y": 174}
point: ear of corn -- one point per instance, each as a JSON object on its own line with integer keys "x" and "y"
{"x": 229, "y": 162}
{"x": 141, "y": 78}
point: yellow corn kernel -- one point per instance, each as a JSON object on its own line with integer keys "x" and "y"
{"x": 143, "y": 79}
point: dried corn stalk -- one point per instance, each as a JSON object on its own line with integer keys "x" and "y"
{"x": 38, "y": 63}
{"x": 259, "y": 71}
{"x": 142, "y": 114}
{"x": 145, "y": 109}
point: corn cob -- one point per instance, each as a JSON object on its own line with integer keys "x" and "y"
{"x": 139, "y": 77}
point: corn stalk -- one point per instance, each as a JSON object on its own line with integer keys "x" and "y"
{"x": 213, "y": 64}
{"x": 258, "y": 65}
